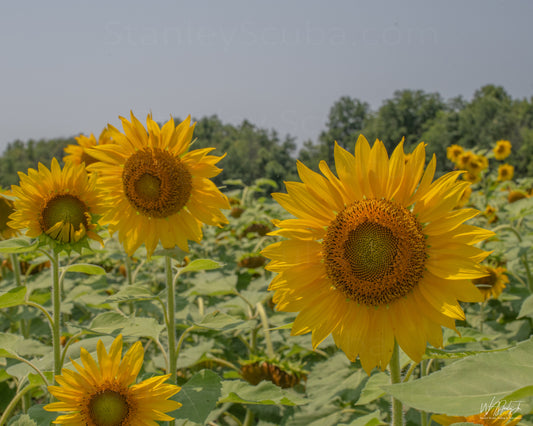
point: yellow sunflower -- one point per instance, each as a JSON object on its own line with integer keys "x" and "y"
{"x": 505, "y": 172}
{"x": 375, "y": 254}
{"x": 453, "y": 152}
{"x": 103, "y": 394}
{"x": 157, "y": 190}
{"x": 493, "y": 283}
{"x": 58, "y": 206}
{"x": 78, "y": 153}
{"x": 493, "y": 417}
{"x": 516, "y": 195}
{"x": 464, "y": 159}
{"x": 465, "y": 196}
{"x": 6, "y": 208}
{"x": 477, "y": 164}
{"x": 471, "y": 178}
{"x": 502, "y": 150}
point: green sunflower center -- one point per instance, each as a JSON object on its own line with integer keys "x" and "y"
{"x": 108, "y": 408}
{"x": 375, "y": 252}
{"x": 64, "y": 218}
{"x": 156, "y": 183}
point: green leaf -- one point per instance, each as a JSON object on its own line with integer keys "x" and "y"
{"x": 108, "y": 322}
{"x": 433, "y": 353}
{"x": 265, "y": 393}
{"x": 200, "y": 265}
{"x": 131, "y": 292}
{"x": 18, "y": 245}
{"x": 40, "y": 415}
{"x": 23, "y": 420}
{"x": 371, "y": 419}
{"x": 85, "y": 268}
{"x": 13, "y": 297}
{"x": 373, "y": 388}
{"x": 470, "y": 384}
{"x": 223, "y": 322}
{"x": 143, "y": 326}
{"x": 199, "y": 397}
{"x": 527, "y": 308}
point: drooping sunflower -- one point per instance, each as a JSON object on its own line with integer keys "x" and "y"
{"x": 78, "y": 153}
{"x": 157, "y": 189}
{"x": 505, "y": 172}
{"x": 453, "y": 152}
{"x": 493, "y": 283}
{"x": 502, "y": 150}
{"x": 493, "y": 417}
{"x": 375, "y": 254}
{"x": 104, "y": 393}
{"x": 516, "y": 195}
{"x": 7, "y": 207}
{"x": 59, "y": 206}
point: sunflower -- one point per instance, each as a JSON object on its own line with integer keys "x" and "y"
{"x": 516, "y": 195}
{"x": 78, "y": 153}
{"x": 58, "y": 206}
{"x": 465, "y": 196}
{"x": 453, "y": 152}
{"x": 493, "y": 283}
{"x": 6, "y": 208}
{"x": 493, "y": 417}
{"x": 375, "y": 254}
{"x": 156, "y": 189}
{"x": 464, "y": 159}
{"x": 471, "y": 178}
{"x": 505, "y": 172}
{"x": 502, "y": 150}
{"x": 104, "y": 394}
{"x": 477, "y": 164}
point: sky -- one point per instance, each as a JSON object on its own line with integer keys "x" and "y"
{"x": 71, "y": 67}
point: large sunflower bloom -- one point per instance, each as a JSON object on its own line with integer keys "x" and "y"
{"x": 103, "y": 394}
{"x": 502, "y": 150}
{"x": 78, "y": 153}
{"x": 375, "y": 254}
{"x": 57, "y": 205}
{"x": 155, "y": 188}
{"x": 493, "y": 283}
{"x": 494, "y": 417}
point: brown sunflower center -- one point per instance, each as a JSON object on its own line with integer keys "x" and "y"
{"x": 156, "y": 183}
{"x": 108, "y": 408}
{"x": 375, "y": 252}
{"x": 65, "y": 218}
{"x": 488, "y": 281}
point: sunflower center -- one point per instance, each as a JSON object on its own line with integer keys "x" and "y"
{"x": 486, "y": 282}
{"x": 108, "y": 408}
{"x": 156, "y": 183}
{"x": 375, "y": 252}
{"x": 64, "y": 218}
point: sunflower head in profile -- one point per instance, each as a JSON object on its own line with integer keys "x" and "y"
{"x": 493, "y": 283}
{"x": 78, "y": 153}
{"x": 502, "y": 150}
{"x": 157, "y": 189}
{"x": 376, "y": 253}
{"x": 7, "y": 207}
{"x": 453, "y": 152}
{"x": 516, "y": 195}
{"x": 59, "y": 206}
{"x": 505, "y": 172}
{"x": 493, "y": 417}
{"x": 104, "y": 393}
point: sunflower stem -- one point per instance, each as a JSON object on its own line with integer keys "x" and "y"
{"x": 423, "y": 414}
{"x": 13, "y": 404}
{"x": 249, "y": 419}
{"x": 171, "y": 326}
{"x": 482, "y": 315}
{"x": 395, "y": 376}
{"x": 266, "y": 330}
{"x": 16, "y": 268}
{"x": 56, "y": 324}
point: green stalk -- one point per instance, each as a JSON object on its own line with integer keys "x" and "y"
{"x": 13, "y": 404}
{"x": 423, "y": 414}
{"x": 16, "y": 268}
{"x": 264, "y": 322}
{"x": 395, "y": 376}
{"x": 171, "y": 325}
{"x": 56, "y": 324}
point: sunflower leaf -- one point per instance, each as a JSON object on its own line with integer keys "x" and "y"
{"x": 18, "y": 245}
{"x": 471, "y": 384}
{"x": 200, "y": 265}
{"x": 13, "y": 297}
{"x": 223, "y": 322}
{"x": 131, "y": 292}
{"x": 527, "y": 308}
{"x": 265, "y": 393}
{"x": 23, "y": 420}
{"x": 40, "y": 415}
{"x": 85, "y": 268}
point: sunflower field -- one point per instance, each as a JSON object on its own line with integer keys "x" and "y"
{"x": 135, "y": 291}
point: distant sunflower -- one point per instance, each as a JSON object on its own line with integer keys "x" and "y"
{"x": 477, "y": 164}
{"x": 494, "y": 417}
{"x": 465, "y": 197}
{"x": 516, "y": 195}
{"x": 78, "y": 153}
{"x": 470, "y": 177}
{"x": 7, "y": 207}
{"x": 502, "y": 150}
{"x": 453, "y": 152}
{"x": 464, "y": 159}
{"x": 505, "y": 172}
{"x": 103, "y": 394}
{"x": 375, "y": 254}
{"x": 493, "y": 283}
{"x": 58, "y": 206}
{"x": 156, "y": 189}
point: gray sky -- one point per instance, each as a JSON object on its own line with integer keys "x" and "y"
{"x": 74, "y": 66}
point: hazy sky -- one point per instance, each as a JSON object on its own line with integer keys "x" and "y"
{"x": 74, "y": 66}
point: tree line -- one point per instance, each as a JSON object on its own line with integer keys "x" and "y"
{"x": 254, "y": 152}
